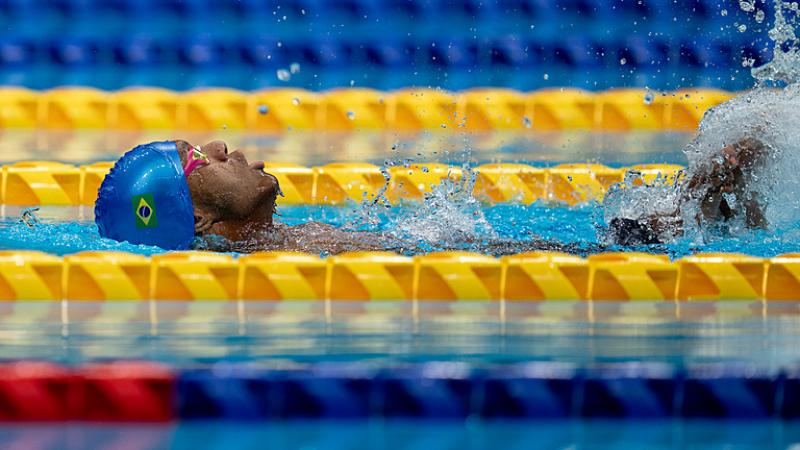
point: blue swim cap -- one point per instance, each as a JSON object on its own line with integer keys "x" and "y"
{"x": 145, "y": 199}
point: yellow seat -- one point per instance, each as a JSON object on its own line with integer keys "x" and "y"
{"x": 631, "y": 276}
{"x": 106, "y": 276}
{"x": 371, "y": 276}
{"x": 282, "y": 276}
{"x": 519, "y": 183}
{"x": 721, "y": 276}
{"x": 212, "y": 110}
{"x": 194, "y": 276}
{"x": 544, "y": 276}
{"x": 41, "y": 183}
{"x": 457, "y": 276}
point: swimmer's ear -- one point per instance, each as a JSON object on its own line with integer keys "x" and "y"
{"x": 203, "y": 221}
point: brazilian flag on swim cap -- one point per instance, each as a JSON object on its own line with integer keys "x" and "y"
{"x": 144, "y": 211}
{"x": 145, "y": 199}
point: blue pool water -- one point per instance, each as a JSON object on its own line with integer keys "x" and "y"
{"x": 402, "y": 435}
{"x": 184, "y": 334}
{"x": 63, "y": 231}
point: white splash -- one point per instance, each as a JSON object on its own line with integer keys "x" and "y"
{"x": 448, "y": 217}
{"x": 784, "y": 66}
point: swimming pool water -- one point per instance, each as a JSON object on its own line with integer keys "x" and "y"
{"x": 184, "y": 334}
{"x": 411, "y": 434}
{"x": 65, "y": 230}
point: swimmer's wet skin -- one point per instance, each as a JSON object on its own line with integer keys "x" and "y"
{"x": 729, "y": 173}
{"x": 169, "y": 194}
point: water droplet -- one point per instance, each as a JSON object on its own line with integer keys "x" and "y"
{"x": 648, "y": 98}
{"x": 296, "y": 101}
{"x": 351, "y": 115}
{"x": 527, "y": 122}
{"x": 443, "y": 126}
{"x": 425, "y": 169}
{"x": 224, "y": 126}
{"x": 724, "y": 12}
{"x": 747, "y": 6}
{"x": 742, "y": 28}
{"x": 352, "y": 82}
{"x": 294, "y": 68}
{"x": 283, "y": 75}
{"x": 546, "y": 76}
{"x": 263, "y": 109}
{"x": 760, "y": 16}
{"x": 623, "y": 61}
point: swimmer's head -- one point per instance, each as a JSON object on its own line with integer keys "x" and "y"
{"x": 145, "y": 199}
{"x": 231, "y": 196}
{"x": 166, "y": 193}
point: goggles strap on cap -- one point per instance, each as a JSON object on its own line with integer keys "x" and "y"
{"x": 195, "y": 158}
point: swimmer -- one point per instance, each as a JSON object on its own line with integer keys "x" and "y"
{"x": 171, "y": 193}
{"x": 705, "y": 191}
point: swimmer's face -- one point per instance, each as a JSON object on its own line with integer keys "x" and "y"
{"x": 229, "y": 188}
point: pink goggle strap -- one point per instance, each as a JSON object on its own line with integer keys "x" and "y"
{"x": 195, "y": 158}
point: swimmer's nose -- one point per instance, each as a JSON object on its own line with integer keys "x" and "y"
{"x": 216, "y": 151}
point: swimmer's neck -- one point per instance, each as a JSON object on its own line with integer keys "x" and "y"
{"x": 245, "y": 229}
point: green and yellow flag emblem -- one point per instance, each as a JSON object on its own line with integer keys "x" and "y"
{"x": 144, "y": 209}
